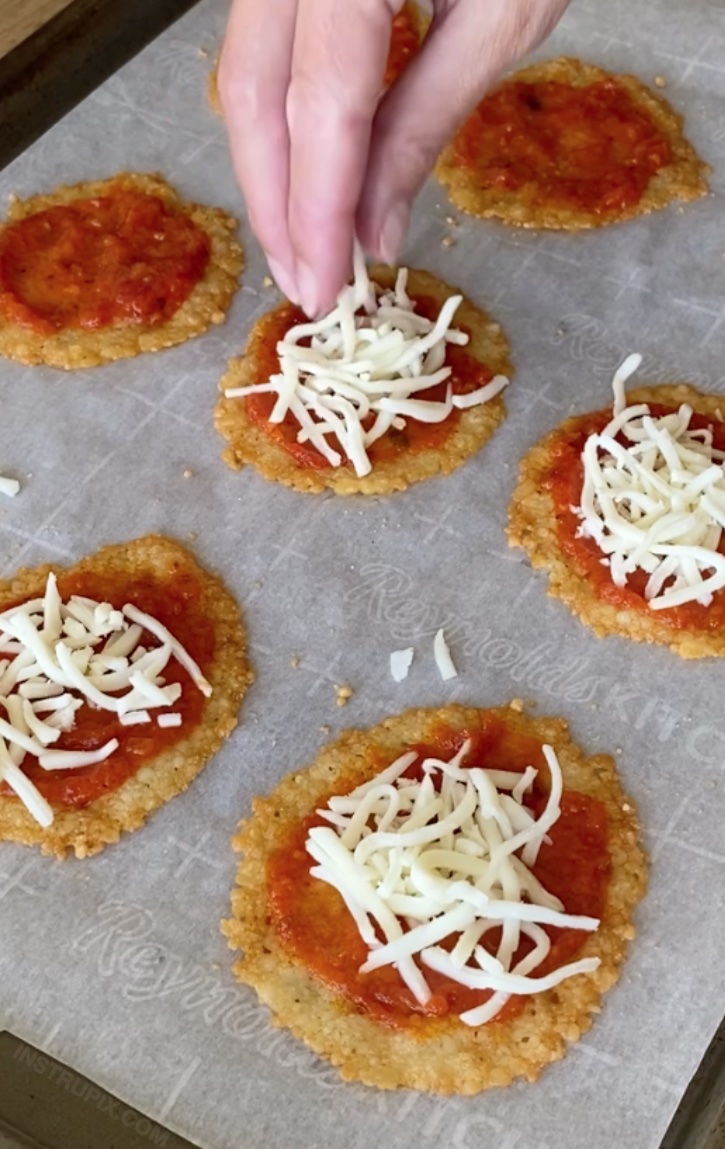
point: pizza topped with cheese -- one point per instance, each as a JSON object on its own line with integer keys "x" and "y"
{"x": 119, "y": 678}
{"x": 438, "y": 903}
{"x": 401, "y": 381}
{"x": 625, "y": 508}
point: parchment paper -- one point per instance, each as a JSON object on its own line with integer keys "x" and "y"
{"x": 116, "y": 965}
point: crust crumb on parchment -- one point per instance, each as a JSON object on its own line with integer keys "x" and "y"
{"x": 533, "y": 526}
{"x": 685, "y": 178}
{"x": 88, "y": 830}
{"x": 207, "y": 304}
{"x": 248, "y": 443}
{"x": 442, "y": 1055}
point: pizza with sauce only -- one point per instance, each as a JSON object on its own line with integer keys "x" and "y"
{"x": 408, "y": 29}
{"x": 564, "y": 144}
{"x": 109, "y": 269}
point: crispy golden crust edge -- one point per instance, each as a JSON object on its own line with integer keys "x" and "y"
{"x": 445, "y": 1057}
{"x": 89, "y": 830}
{"x": 207, "y": 305}
{"x": 212, "y": 89}
{"x": 684, "y": 179}
{"x": 532, "y": 525}
{"x": 248, "y": 443}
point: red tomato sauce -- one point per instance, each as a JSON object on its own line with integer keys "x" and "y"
{"x": 468, "y": 375}
{"x": 314, "y": 925}
{"x": 564, "y": 481}
{"x": 404, "y": 43}
{"x": 124, "y": 257}
{"x": 583, "y": 148}
{"x": 175, "y": 602}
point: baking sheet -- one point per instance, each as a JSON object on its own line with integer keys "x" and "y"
{"x": 116, "y": 965}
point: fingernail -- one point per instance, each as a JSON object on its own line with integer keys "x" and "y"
{"x": 308, "y": 289}
{"x": 285, "y": 281}
{"x": 393, "y": 232}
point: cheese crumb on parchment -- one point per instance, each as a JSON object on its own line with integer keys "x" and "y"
{"x": 352, "y": 376}
{"x": 56, "y": 657}
{"x": 653, "y": 499}
{"x": 401, "y": 660}
{"x": 400, "y": 663}
{"x": 451, "y": 854}
{"x": 9, "y": 487}
{"x": 343, "y": 695}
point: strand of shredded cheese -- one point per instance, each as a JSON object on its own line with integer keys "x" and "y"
{"x": 653, "y": 499}
{"x": 416, "y": 863}
{"x": 370, "y": 356}
{"x": 55, "y": 657}
{"x": 442, "y": 655}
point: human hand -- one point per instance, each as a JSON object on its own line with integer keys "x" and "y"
{"x": 320, "y": 156}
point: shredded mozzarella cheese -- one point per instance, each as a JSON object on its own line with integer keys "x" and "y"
{"x": 57, "y": 656}
{"x": 442, "y": 655}
{"x": 416, "y": 863}
{"x": 366, "y": 361}
{"x": 166, "y": 720}
{"x": 653, "y": 499}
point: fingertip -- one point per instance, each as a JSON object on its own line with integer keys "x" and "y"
{"x": 285, "y": 279}
{"x": 383, "y": 220}
{"x": 316, "y": 295}
{"x": 392, "y": 231}
{"x": 308, "y": 287}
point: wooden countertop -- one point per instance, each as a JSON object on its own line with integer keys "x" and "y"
{"x": 20, "y": 18}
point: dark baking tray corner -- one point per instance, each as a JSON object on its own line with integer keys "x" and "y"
{"x": 61, "y": 63}
{"x": 699, "y": 1122}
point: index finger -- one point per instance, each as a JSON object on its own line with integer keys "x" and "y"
{"x": 254, "y": 73}
{"x": 338, "y": 65}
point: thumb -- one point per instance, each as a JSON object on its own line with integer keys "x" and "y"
{"x": 470, "y": 43}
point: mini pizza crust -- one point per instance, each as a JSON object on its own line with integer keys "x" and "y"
{"x": 441, "y": 1056}
{"x": 207, "y": 304}
{"x": 88, "y": 830}
{"x": 249, "y": 444}
{"x": 533, "y": 526}
{"x": 685, "y": 178}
